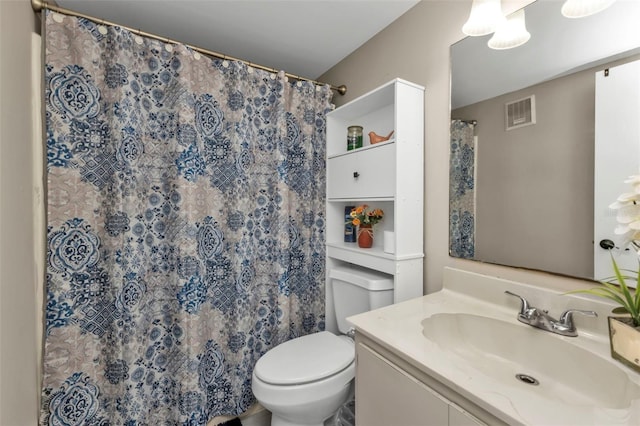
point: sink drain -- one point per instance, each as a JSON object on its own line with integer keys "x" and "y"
{"x": 525, "y": 378}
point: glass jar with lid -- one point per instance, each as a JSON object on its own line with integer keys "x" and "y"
{"x": 354, "y": 137}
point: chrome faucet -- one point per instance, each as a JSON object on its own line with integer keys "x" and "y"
{"x": 541, "y": 319}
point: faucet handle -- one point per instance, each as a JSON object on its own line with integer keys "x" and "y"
{"x": 525, "y": 307}
{"x": 566, "y": 319}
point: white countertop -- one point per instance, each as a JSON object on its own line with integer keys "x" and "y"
{"x": 399, "y": 329}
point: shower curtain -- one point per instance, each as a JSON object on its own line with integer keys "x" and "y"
{"x": 185, "y": 226}
{"x": 462, "y": 203}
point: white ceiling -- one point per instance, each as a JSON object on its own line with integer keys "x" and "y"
{"x": 301, "y": 37}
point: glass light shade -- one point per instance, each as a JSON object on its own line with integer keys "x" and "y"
{"x": 485, "y": 17}
{"x": 512, "y": 33}
{"x": 582, "y": 8}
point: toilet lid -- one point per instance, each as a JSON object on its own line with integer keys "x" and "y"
{"x": 305, "y": 359}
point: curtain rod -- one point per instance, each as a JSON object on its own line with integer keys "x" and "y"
{"x": 38, "y": 5}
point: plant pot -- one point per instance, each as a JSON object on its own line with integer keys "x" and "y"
{"x": 365, "y": 236}
{"x": 625, "y": 341}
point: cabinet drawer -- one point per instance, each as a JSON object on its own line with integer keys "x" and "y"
{"x": 366, "y": 174}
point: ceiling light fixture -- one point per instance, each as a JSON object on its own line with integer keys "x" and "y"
{"x": 485, "y": 17}
{"x": 582, "y": 8}
{"x": 511, "y": 33}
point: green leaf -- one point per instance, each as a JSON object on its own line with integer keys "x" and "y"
{"x": 615, "y": 288}
{"x": 620, "y": 310}
{"x": 637, "y": 293}
{"x": 631, "y": 305}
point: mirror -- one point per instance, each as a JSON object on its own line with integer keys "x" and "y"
{"x": 524, "y": 197}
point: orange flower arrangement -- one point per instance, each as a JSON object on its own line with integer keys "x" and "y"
{"x": 360, "y": 216}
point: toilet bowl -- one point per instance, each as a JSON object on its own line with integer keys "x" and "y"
{"x": 305, "y": 380}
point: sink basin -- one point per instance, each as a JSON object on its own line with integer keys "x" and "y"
{"x": 502, "y": 350}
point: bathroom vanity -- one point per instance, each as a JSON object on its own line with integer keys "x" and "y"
{"x": 392, "y": 391}
{"x": 460, "y": 357}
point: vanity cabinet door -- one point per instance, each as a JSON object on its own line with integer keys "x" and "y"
{"x": 459, "y": 417}
{"x": 386, "y": 395}
{"x": 366, "y": 174}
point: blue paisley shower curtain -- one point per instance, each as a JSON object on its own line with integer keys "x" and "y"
{"x": 462, "y": 201}
{"x": 185, "y": 226}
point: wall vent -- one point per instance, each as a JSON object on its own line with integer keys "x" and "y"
{"x": 520, "y": 113}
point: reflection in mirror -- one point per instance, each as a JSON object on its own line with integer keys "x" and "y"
{"x": 522, "y": 140}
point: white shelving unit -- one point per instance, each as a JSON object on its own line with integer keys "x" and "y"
{"x": 388, "y": 175}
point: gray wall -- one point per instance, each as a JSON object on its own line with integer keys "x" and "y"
{"x": 19, "y": 317}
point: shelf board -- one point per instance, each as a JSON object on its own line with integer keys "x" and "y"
{"x": 357, "y": 199}
{"x": 353, "y": 247}
{"x": 364, "y": 148}
{"x": 374, "y": 257}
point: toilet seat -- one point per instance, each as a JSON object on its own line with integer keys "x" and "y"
{"x": 305, "y": 359}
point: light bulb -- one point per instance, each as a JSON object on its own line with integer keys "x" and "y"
{"x": 485, "y": 17}
{"x": 582, "y": 8}
{"x": 512, "y": 33}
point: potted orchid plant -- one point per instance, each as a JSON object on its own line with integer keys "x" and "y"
{"x": 624, "y": 331}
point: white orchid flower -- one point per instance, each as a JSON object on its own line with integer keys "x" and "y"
{"x": 628, "y": 216}
{"x": 626, "y": 199}
{"x": 635, "y": 185}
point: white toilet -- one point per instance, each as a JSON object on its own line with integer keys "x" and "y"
{"x": 305, "y": 380}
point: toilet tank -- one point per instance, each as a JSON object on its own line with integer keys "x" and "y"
{"x": 357, "y": 290}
